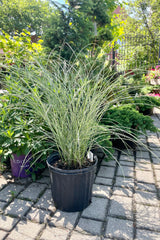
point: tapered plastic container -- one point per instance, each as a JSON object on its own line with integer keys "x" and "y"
{"x": 19, "y": 165}
{"x": 71, "y": 189}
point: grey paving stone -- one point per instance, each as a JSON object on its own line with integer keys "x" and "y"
{"x": 27, "y": 229}
{"x": 33, "y": 191}
{"x": 142, "y": 154}
{"x": 10, "y": 191}
{"x": 151, "y": 135}
{"x": 156, "y": 161}
{"x": 104, "y": 181}
{"x": 142, "y": 136}
{"x": 119, "y": 228}
{"x": 111, "y": 163}
{"x": 46, "y": 201}
{"x": 122, "y": 192}
{"x": 79, "y": 236}
{"x": 147, "y": 198}
{"x": 89, "y": 226}
{"x": 157, "y": 172}
{"x": 124, "y": 182}
{"x": 18, "y": 208}
{"x": 2, "y": 234}
{"x": 142, "y": 144}
{"x": 148, "y": 217}
{"x": 145, "y": 176}
{"x": 147, "y": 235}
{"x": 2, "y": 205}
{"x": 156, "y": 121}
{"x": 64, "y": 219}
{"x": 142, "y": 140}
{"x": 126, "y": 163}
{"x": 146, "y": 187}
{"x": 18, "y": 236}
{"x": 101, "y": 190}
{"x": 7, "y": 175}
{"x": 121, "y": 207}
{"x": 127, "y": 151}
{"x": 143, "y": 166}
{"x": 107, "y": 172}
{"x": 156, "y": 153}
{"x": 125, "y": 171}
{"x": 157, "y": 166}
{"x": 38, "y": 215}
{"x": 154, "y": 145}
{"x": 7, "y": 223}
{"x": 143, "y": 160}
{"x": 153, "y": 142}
{"x": 156, "y": 110}
{"x": 96, "y": 209}
{"x": 24, "y": 181}
{"x": 54, "y": 233}
{"x": 3, "y": 181}
{"x": 126, "y": 157}
{"x": 44, "y": 179}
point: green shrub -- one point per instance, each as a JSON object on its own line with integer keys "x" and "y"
{"x": 18, "y": 133}
{"x": 144, "y": 103}
{"x": 126, "y": 118}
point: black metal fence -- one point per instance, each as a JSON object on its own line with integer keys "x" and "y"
{"x": 136, "y": 52}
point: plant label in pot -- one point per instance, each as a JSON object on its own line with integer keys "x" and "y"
{"x": 19, "y": 165}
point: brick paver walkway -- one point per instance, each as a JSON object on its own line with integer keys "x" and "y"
{"x": 122, "y": 207}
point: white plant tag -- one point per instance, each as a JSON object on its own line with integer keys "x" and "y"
{"x": 90, "y": 156}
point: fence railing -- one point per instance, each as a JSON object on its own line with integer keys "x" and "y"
{"x": 135, "y": 52}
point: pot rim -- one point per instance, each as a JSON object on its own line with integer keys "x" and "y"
{"x": 68, "y": 171}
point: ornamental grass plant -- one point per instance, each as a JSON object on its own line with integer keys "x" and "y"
{"x": 69, "y": 101}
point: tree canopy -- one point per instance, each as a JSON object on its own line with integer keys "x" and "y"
{"x": 16, "y": 15}
{"x": 77, "y": 24}
{"x": 143, "y": 16}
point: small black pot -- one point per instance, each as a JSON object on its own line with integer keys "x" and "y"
{"x": 125, "y": 142}
{"x": 148, "y": 111}
{"x": 71, "y": 189}
{"x": 120, "y": 144}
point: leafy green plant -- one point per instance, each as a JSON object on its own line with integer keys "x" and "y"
{"x": 127, "y": 119}
{"x": 146, "y": 89}
{"x": 19, "y": 48}
{"x": 144, "y": 103}
{"x": 18, "y": 134}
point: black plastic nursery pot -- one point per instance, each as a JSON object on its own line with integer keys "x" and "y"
{"x": 148, "y": 111}
{"x": 71, "y": 189}
{"x": 125, "y": 142}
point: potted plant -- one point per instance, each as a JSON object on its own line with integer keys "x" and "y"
{"x": 145, "y": 104}
{"x": 70, "y": 104}
{"x": 129, "y": 122}
{"x": 17, "y": 144}
{"x": 153, "y": 76}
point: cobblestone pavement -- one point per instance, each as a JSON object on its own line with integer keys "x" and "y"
{"x": 122, "y": 207}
